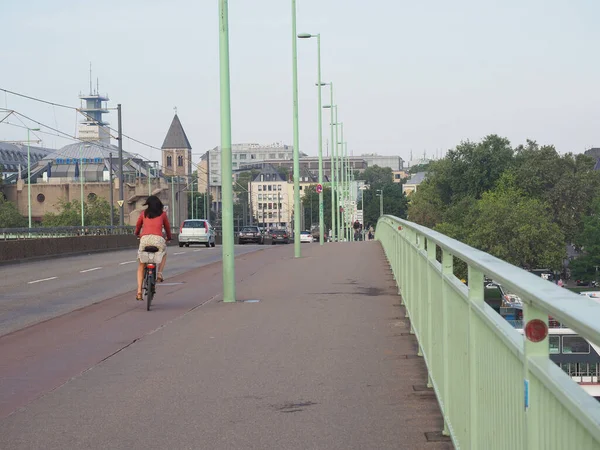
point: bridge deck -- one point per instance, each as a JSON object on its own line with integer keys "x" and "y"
{"x": 323, "y": 361}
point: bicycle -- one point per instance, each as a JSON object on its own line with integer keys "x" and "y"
{"x": 150, "y": 257}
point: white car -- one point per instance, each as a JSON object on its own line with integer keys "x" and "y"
{"x": 196, "y": 231}
{"x": 305, "y": 236}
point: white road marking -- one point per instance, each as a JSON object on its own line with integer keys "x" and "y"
{"x": 90, "y": 270}
{"x": 43, "y": 279}
{"x": 199, "y": 250}
{"x": 127, "y": 262}
{"x": 179, "y": 253}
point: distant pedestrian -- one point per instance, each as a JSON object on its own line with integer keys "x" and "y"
{"x": 560, "y": 282}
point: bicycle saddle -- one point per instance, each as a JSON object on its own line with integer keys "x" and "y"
{"x": 151, "y": 249}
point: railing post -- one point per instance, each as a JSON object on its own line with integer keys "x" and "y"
{"x": 447, "y": 271}
{"x": 535, "y": 350}
{"x": 431, "y": 248}
{"x": 476, "y": 298}
{"x": 420, "y": 291}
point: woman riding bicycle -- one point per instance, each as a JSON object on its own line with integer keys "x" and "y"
{"x": 151, "y": 223}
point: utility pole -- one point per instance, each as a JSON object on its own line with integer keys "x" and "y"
{"x": 121, "y": 178}
{"x": 226, "y": 159}
{"x": 297, "y": 251}
{"x": 112, "y": 200}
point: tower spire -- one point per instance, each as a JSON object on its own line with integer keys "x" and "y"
{"x": 91, "y": 78}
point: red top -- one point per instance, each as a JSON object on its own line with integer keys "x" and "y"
{"x": 153, "y": 226}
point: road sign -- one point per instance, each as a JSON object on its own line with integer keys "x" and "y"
{"x": 319, "y": 188}
{"x": 120, "y": 203}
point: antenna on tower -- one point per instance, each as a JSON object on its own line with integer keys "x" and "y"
{"x": 97, "y": 86}
{"x": 90, "y": 78}
{"x": 175, "y": 109}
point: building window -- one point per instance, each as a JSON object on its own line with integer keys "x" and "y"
{"x": 260, "y": 187}
{"x": 278, "y": 187}
{"x": 272, "y": 155}
{"x": 169, "y": 161}
{"x": 282, "y": 156}
{"x": 252, "y": 156}
{"x": 234, "y": 164}
{"x": 180, "y": 161}
{"x": 259, "y": 197}
{"x": 91, "y": 196}
{"x": 269, "y": 187}
{"x": 270, "y": 215}
{"x": 243, "y": 156}
{"x": 270, "y": 206}
{"x": 234, "y": 156}
{"x": 41, "y": 198}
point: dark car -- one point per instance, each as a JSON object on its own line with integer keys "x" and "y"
{"x": 280, "y": 237}
{"x": 250, "y": 235}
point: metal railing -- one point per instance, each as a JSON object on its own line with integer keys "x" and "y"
{"x": 58, "y": 232}
{"x": 496, "y": 389}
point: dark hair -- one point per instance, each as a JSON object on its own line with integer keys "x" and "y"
{"x": 155, "y": 207}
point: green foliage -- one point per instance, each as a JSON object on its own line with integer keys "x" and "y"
{"x": 522, "y": 205}
{"x": 310, "y": 203}
{"x": 419, "y": 168}
{"x": 375, "y": 175}
{"x": 196, "y": 200}
{"x": 588, "y": 240}
{"x": 10, "y": 216}
{"x": 96, "y": 212}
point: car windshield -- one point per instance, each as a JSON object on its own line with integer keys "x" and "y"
{"x": 305, "y": 233}
{"x": 193, "y": 224}
{"x": 250, "y": 230}
{"x": 279, "y": 232}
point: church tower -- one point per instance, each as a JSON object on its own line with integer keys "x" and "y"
{"x": 176, "y": 151}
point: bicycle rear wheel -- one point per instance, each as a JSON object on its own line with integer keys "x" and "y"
{"x": 150, "y": 281}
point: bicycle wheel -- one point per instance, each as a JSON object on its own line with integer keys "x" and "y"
{"x": 149, "y": 289}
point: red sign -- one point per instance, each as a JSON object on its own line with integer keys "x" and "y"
{"x": 536, "y": 330}
{"x": 319, "y": 188}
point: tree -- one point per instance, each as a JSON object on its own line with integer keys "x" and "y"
{"x": 584, "y": 267}
{"x": 310, "y": 203}
{"x": 395, "y": 202}
{"x": 241, "y": 207}
{"x": 96, "y": 213}
{"x": 9, "y": 215}
{"x": 197, "y": 201}
{"x": 377, "y": 175}
{"x": 517, "y": 229}
{"x": 567, "y": 183}
{"x": 284, "y": 172}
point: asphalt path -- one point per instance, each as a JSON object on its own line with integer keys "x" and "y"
{"x": 37, "y": 291}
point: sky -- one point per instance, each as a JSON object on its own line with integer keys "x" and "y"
{"x": 410, "y": 77}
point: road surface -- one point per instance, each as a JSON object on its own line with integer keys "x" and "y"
{"x": 37, "y": 291}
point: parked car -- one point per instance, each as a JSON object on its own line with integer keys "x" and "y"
{"x": 305, "y": 236}
{"x": 250, "y": 234}
{"x": 196, "y": 231}
{"x": 280, "y": 237}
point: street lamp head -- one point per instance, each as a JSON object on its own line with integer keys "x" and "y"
{"x": 322, "y": 84}
{"x": 305, "y": 36}
{"x": 34, "y": 129}
{"x": 327, "y": 106}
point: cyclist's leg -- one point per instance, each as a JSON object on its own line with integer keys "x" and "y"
{"x": 140, "y": 277}
{"x": 161, "y": 266}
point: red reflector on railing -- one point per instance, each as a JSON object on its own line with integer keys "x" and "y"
{"x": 536, "y": 330}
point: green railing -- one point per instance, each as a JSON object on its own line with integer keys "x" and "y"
{"x": 496, "y": 389}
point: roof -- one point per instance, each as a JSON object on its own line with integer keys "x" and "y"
{"x": 12, "y": 155}
{"x": 90, "y": 150}
{"x": 176, "y": 137}
{"x": 417, "y": 178}
{"x": 269, "y": 173}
